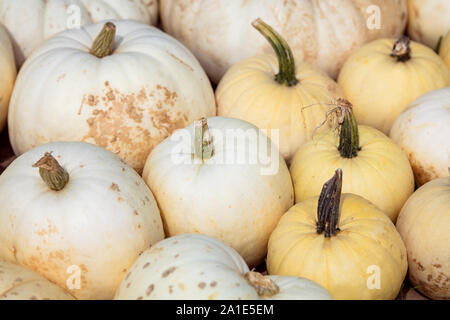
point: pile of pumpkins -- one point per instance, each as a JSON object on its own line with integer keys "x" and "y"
{"x": 135, "y": 178}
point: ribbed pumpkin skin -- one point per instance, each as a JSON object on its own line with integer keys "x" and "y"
{"x": 322, "y": 33}
{"x": 428, "y": 20}
{"x": 423, "y": 133}
{"x": 19, "y": 283}
{"x": 380, "y": 172}
{"x": 32, "y": 22}
{"x": 424, "y": 225}
{"x": 444, "y": 50}
{"x": 341, "y": 264}
{"x": 8, "y": 75}
{"x": 380, "y": 87}
{"x": 249, "y": 91}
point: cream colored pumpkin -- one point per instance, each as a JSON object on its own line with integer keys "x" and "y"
{"x": 321, "y": 33}
{"x": 423, "y": 132}
{"x": 428, "y": 20}
{"x": 292, "y": 102}
{"x": 444, "y": 50}
{"x": 126, "y": 102}
{"x": 383, "y": 77}
{"x": 424, "y": 225}
{"x": 194, "y": 266}
{"x": 85, "y": 236}
{"x": 237, "y": 194}
{"x": 8, "y": 75}
{"x": 344, "y": 243}
{"x": 374, "y": 166}
{"x": 19, "y": 283}
{"x": 30, "y": 23}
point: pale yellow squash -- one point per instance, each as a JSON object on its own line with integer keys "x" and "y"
{"x": 348, "y": 246}
{"x": 384, "y": 76}
{"x": 19, "y": 283}
{"x": 444, "y": 50}
{"x": 424, "y": 224}
{"x": 275, "y": 93}
{"x": 8, "y": 75}
{"x": 374, "y": 166}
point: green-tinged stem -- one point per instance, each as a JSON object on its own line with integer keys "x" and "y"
{"x": 203, "y": 144}
{"x": 264, "y": 286}
{"x": 55, "y": 176}
{"x": 328, "y": 206}
{"x": 286, "y": 63}
{"x": 104, "y": 43}
{"x": 349, "y": 134}
{"x": 402, "y": 50}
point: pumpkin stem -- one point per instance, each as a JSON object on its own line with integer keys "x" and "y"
{"x": 286, "y": 62}
{"x": 349, "y": 134}
{"x": 203, "y": 146}
{"x": 328, "y": 206}
{"x": 264, "y": 286}
{"x": 55, "y": 176}
{"x": 104, "y": 43}
{"x": 402, "y": 49}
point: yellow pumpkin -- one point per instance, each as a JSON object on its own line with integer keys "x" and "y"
{"x": 386, "y": 75}
{"x": 273, "y": 92}
{"x": 374, "y": 166}
{"x": 424, "y": 224}
{"x": 444, "y": 50}
{"x": 343, "y": 242}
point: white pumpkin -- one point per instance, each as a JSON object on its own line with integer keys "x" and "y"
{"x": 194, "y": 266}
{"x": 323, "y": 33}
{"x": 30, "y": 23}
{"x": 19, "y": 283}
{"x": 423, "y": 132}
{"x": 237, "y": 194}
{"x": 126, "y": 101}
{"x": 8, "y": 75}
{"x": 85, "y": 236}
{"x": 428, "y": 20}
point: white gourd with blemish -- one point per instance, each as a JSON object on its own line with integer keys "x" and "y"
{"x": 423, "y": 132}
{"x": 79, "y": 211}
{"x": 30, "y": 23}
{"x": 123, "y": 92}
{"x": 8, "y": 75}
{"x": 194, "y": 266}
{"x": 236, "y": 189}
{"x": 19, "y": 283}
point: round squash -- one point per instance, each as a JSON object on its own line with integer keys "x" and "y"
{"x": 386, "y": 75}
{"x": 428, "y": 20}
{"x": 8, "y": 75}
{"x": 374, "y": 166}
{"x": 424, "y": 225}
{"x": 125, "y": 92}
{"x": 322, "y": 33}
{"x": 444, "y": 49}
{"x": 292, "y": 101}
{"x": 76, "y": 214}
{"x": 19, "y": 283}
{"x": 30, "y": 23}
{"x": 342, "y": 242}
{"x": 224, "y": 178}
{"x": 194, "y": 266}
{"x": 423, "y": 132}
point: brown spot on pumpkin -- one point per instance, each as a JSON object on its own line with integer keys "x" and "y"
{"x": 420, "y": 266}
{"x": 429, "y": 277}
{"x": 181, "y": 286}
{"x": 140, "y": 298}
{"x": 128, "y": 284}
{"x": 146, "y": 265}
{"x": 168, "y": 271}
{"x": 202, "y": 285}
{"x": 114, "y": 187}
{"x": 170, "y": 289}
{"x": 18, "y": 279}
{"x": 213, "y": 284}
{"x": 120, "y": 199}
{"x": 150, "y": 289}
{"x": 437, "y": 266}
{"x": 33, "y": 298}
{"x": 136, "y": 213}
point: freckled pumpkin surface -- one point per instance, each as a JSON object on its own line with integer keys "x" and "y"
{"x": 424, "y": 224}
{"x": 126, "y": 102}
{"x": 19, "y": 283}
{"x": 89, "y": 232}
{"x": 194, "y": 266}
